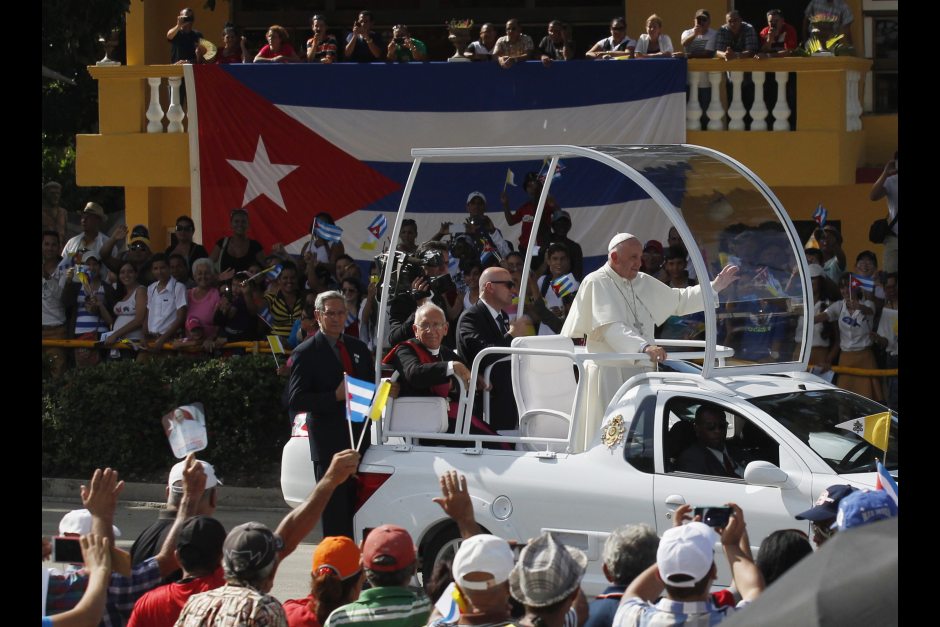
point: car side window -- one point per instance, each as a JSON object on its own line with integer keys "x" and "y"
{"x": 639, "y": 447}
{"x": 722, "y": 443}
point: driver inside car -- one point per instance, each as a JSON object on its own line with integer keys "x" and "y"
{"x": 708, "y": 455}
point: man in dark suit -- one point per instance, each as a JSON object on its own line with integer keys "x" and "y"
{"x": 317, "y": 386}
{"x": 708, "y": 455}
{"x": 485, "y": 325}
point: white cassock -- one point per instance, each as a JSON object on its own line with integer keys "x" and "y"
{"x": 619, "y": 316}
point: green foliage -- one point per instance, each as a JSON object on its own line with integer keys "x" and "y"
{"x": 109, "y": 415}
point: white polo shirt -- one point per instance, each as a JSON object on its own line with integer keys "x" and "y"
{"x": 162, "y": 305}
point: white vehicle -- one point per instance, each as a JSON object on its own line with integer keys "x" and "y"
{"x": 579, "y": 476}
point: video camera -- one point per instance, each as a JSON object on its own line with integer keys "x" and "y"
{"x": 407, "y": 268}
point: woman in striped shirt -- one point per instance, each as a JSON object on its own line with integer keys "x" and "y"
{"x": 285, "y": 304}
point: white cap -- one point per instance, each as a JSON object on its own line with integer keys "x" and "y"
{"x": 620, "y": 237}
{"x": 176, "y": 474}
{"x": 474, "y": 195}
{"x": 79, "y": 521}
{"x": 815, "y": 270}
{"x": 482, "y": 553}
{"x": 687, "y": 550}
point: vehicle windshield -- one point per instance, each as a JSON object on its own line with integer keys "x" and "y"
{"x": 813, "y": 417}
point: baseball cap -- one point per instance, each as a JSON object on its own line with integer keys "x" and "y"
{"x": 200, "y": 543}
{"x": 336, "y": 554}
{"x": 561, "y": 214}
{"x": 827, "y": 505}
{"x": 655, "y": 245}
{"x": 703, "y": 12}
{"x": 388, "y": 548}
{"x": 476, "y": 194}
{"x": 140, "y": 233}
{"x": 620, "y": 237}
{"x": 547, "y": 572}
{"x": 863, "y": 507}
{"x": 250, "y": 547}
{"x": 79, "y": 521}
{"x": 482, "y": 554}
{"x": 687, "y": 550}
{"x": 176, "y": 475}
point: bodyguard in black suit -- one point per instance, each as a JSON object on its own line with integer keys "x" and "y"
{"x": 317, "y": 387}
{"x": 708, "y": 455}
{"x": 485, "y": 325}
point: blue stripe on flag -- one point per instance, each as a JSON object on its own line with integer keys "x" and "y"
{"x": 329, "y": 232}
{"x": 378, "y": 226}
{"x": 586, "y": 84}
{"x": 359, "y": 395}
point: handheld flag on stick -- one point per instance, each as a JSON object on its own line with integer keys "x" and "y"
{"x": 328, "y": 232}
{"x": 884, "y": 481}
{"x": 378, "y": 405}
{"x": 820, "y": 215}
{"x": 266, "y": 315}
{"x": 277, "y": 348}
{"x": 859, "y": 281}
{"x": 510, "y": 179}
{"x": 565, "y": 285}
{"x": 271, "y": 272}
{"x": 377, "y": 229}
{"x": 359, "y": 395}
{"x": 872, "y": 428}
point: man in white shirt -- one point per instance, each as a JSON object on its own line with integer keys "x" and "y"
{"x": 699, "y": 41}
{"x": 91, "y": 239}
{"x": 617, "y": 308}
{"x": 166, "y": 304}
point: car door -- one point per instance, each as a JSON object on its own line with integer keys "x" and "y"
{"x": 766, "y": 508}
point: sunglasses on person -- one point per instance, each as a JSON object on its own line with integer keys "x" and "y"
{"x": 509, "y": 284}
{"x": 184, "y": 227}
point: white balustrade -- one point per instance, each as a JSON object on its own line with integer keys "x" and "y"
{"x": 715, "y": 111}
{"x": 693, "y": 110}
{"x": 174, "y": 112}
{"x": 853, "y": 107}
{"x": 154, "y": 111}
{"x": 736, "y": 110}
{"x": 781, "y": 111}
{"x": 759, "y": 108}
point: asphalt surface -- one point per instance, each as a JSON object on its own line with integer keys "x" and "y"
{"x": 140, "y": 503}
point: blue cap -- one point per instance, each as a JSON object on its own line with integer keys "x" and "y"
{"x": 827, "y": 505}
{"x": 865, "y": 507}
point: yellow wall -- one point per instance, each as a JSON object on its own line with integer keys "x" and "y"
{"x": 881, "y": 132}
{"x": 148, "y": 22}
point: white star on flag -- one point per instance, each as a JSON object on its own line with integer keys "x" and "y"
{"x": 262, "y": 176}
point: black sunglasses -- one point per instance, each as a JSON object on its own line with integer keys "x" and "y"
{"x": 510, "y": 284}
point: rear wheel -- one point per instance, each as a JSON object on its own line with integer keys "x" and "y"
{"x": 440, "y": 547}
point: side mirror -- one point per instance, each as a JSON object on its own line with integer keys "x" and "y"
{"x": 765, "y": 474}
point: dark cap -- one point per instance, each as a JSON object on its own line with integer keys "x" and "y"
{"x": 250, "y": 547}
{"x": 200, "y": 543}
{"x": 702, "y": 12}
{"x": 827, "y": 505}
{"x": 388, "y": 548}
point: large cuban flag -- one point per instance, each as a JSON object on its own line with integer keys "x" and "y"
{"x": 290, "y": 141}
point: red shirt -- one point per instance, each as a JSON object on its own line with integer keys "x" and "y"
{"x": 785, "y": 40}
{"x": 286, "y": 51}
{"x": 162, "y": 606}
{"x": 301, "y": 612}
{"x": 526, "y": 215}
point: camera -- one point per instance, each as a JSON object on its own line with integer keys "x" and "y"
{"x": 189, "y": 18}
{"x": 713, "y": 516}
{"x": 67, "y": 550}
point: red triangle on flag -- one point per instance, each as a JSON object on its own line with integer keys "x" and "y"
{"x": 314, "y": 175}
{"x": 375, "y": 230}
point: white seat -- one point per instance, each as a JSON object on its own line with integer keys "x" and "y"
{"x": 416, "y": 414}
{"x": 545, "y": 389}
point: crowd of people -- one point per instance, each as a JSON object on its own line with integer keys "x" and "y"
{"x": 826, "y": 28}
{"x": 185, "y": 569}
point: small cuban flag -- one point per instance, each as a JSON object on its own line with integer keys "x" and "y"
{"x": 377, "y": 229}
{"x": 558, "y": 168}
{"x": 884, "y": 481}
{"x": 328, "y": 232}
{"x": 874, "y": 428}
{"x": 273, "y": 272}
{"x": 350, "y": 319}
{"x": 565, "y": 285}
{"x": 359, "y": 395}
{"x": 488, "y": 252}
{"x": 67, "y": 262}
{"x": 859, "y": 281}
{"x": 266, "y": 315}
{"x": 447, "y": 605}
{"x": 820, "y": 215}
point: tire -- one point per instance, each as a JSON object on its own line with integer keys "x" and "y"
{"x": 442, "y": 545}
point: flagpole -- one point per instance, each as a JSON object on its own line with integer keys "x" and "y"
{"x": 365, "y": 425}
{"x": 352, "y": 438}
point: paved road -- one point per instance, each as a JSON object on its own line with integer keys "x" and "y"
{"x": 132, "y": 517}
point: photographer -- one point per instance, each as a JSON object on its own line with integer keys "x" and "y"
{"x": 363, "y": 45}
{"x": 405, "y": 48}
{"x": 429, "y": 280}
{"x": 183, "y": 38}
{"x": 479, "y": 226}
